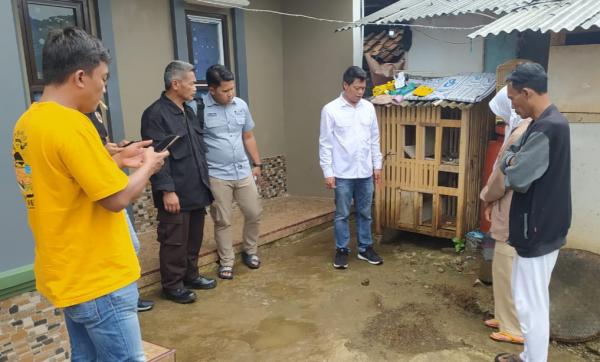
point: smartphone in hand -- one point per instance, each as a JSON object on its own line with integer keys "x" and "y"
{"x": 166, "y": 143}
{"x": 129, "y": 143}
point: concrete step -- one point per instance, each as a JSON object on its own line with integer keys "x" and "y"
{"x": 282, "y": 217}
{"x": 156, "y": 353}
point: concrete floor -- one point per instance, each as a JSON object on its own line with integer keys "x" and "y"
{"x": 419, "y": 305}
{"x": 282, "y": 217}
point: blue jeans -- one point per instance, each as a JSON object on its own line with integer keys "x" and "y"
{"x": 361, "y": 190}
{"x": 106, "y": 328}
{"x": 134, "y": 237}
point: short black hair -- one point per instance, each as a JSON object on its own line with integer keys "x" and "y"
{"x": 218, "y": 73}
{"x": 68, "y": 50}
{"x": 353, "y": 73}
{"x": 529, "y": 75}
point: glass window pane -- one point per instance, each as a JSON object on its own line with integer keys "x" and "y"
{"x": 207, "y": 44}
{"x": 42, "y": 19}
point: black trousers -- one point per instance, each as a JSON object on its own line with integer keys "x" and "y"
{"x": 180, "y": 236}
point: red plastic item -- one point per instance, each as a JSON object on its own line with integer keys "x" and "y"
{"x": 491, "y": 154}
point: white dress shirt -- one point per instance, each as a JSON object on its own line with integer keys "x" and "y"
{"x": 349, "y": 139}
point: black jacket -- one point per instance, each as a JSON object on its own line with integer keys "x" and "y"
{"x": 540, "y": 212}
{"x": 185, "y": 170}
{"x": 102, "y": 131}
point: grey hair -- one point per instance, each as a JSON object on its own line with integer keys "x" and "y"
{"x": 175, "y": 71}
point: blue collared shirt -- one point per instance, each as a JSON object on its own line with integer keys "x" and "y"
{"x": 224, "y": 125}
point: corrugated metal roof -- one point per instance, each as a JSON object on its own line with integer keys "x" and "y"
{"x": 546, "y": 16}
{"x": 407, "y": 10}
{"x": 439, "y": 103}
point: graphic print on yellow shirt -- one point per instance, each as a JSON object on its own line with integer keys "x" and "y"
{"x": 82, "y": 250}
{"x": 22, "y": 169}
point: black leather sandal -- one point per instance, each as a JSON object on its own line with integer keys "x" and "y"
{"x": 252, "y": 261}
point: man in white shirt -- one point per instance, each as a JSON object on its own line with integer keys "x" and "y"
{"x": 350, "y": 157}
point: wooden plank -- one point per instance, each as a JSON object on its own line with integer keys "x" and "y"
{"x": 406, "y": 208}
{"x": 449, "y": 234}
{"x": 417, "y": 210}
{"x": 449, "y": 191}
{"x": 464, "y": 136}
{"x": 393, "y": 141}
{"x": 379, "y": 189}
{"x": 438, "y": 147}
{"x": 558, "y": 39}
{"x": 420, "y": 140}
{"x": 450, "y": 123}
{"x": 448, "y": 168}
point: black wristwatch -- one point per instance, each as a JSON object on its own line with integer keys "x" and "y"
{"x": 259, "y": 165}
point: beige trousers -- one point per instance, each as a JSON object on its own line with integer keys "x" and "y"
{"x": 245, "y": 193}
{"x": 504, "y": 306}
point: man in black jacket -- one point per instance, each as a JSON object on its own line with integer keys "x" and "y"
{"x": 538, "y": 169}
{"x": 181, "y": 189}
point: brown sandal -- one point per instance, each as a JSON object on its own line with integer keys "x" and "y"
{"x": 492, "y": 323}
{"x": 507, "y": 337}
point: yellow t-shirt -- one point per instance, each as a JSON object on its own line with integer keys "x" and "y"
{"x": 82, "y": 250}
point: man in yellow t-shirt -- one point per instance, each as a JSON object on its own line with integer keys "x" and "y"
{"x": 74, "y": 192}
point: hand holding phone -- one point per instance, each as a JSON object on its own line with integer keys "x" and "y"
{"x": 166, "y": 143}
{"x": 132, "y": 156}
{"x": 128, "y": 143}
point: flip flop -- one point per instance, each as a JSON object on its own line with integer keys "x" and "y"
{"x": 252, "y": 261}
{"x": 225, "y": 272}
{"x": 507, "y": 337}
{"x": 507, "y": 357}
{"x": 492, "y": 323}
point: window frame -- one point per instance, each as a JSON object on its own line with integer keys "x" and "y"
{"x": 83, "y": 21}
{"x": 201, "y": 83}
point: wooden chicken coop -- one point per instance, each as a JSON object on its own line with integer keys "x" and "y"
{"x": 432, "y": 170}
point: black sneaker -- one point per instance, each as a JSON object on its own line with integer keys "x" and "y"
{"x": 341, "y": 258}
{"x": 369, "y": 255}
{"x": 144, "y": 305}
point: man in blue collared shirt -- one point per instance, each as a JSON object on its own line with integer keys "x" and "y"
{"x": 350, "y": 157}
{"x": 229, "y": 137}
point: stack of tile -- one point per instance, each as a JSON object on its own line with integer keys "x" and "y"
{"x": 383, "y": 46}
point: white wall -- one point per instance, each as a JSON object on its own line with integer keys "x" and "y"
{"x": 573, "y": 79}
{"x": 433, "y": 52}
{"x": 144, "y": 48}
{"x": 264, "y": 59}
{"x": 585, "y": 173}
{"x": 571, "y": 73}
{"x": 315, "y": 57}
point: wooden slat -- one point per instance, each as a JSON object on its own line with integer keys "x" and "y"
{"x": 449, "y": 168}
{"x": 450, "y": 123}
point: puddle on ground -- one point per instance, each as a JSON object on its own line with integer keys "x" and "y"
{"x": 278, "y": 332}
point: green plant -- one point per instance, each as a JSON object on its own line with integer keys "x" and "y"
{"x": 459, "y": 244}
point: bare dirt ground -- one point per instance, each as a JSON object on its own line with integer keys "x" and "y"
{"x": 420, "y": 305}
